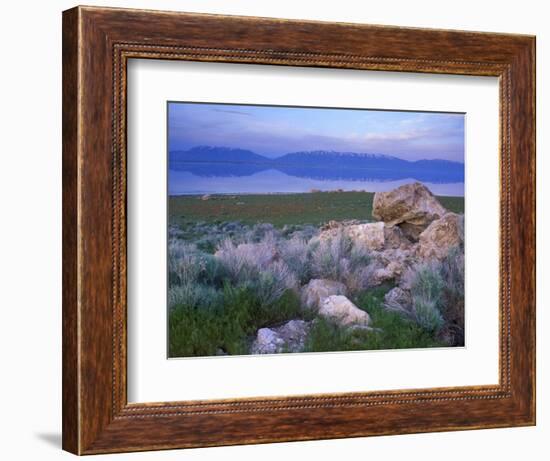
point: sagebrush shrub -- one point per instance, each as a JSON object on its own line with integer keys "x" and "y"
{"x": 259, "y": 266}
{"x": 452, "y": 271}
{"x": 359, "y": 278}
{"x": 327, "y": 256}
{"x": 427, "y": 314}
{"x": 428, "y": 282}
{"x": 183, "y": 263}
{"x": 305, "y": 232}
{"x": 295, "y": 253}
{"x": 188, "y": 265}
{"x": 427, "y": 286}
{"x": 339, "y": 258}
{"x": 244, "y": 261}
{"x": 193, "y": 295}
{"x": 272, "y": 282}
{"x": 211, "y": 270}
{"x": 359, "y": 256}
{"x": 261, "y": 232}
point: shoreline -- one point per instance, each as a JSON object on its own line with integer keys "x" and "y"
{"x": 237, "y": 194}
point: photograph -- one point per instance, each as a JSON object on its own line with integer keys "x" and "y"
{"x": 312, "y": 229}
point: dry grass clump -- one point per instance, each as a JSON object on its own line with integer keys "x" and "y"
{"x": 339, "y": 258}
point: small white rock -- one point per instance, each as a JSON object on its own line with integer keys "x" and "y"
{"x": 343, "y": 311}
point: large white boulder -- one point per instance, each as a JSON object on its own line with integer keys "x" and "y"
{"x": 412, "y": 207}
{"x": 370, "y": 235}
{"x": 375, "y": 236}
{"x": 440, "y": 236}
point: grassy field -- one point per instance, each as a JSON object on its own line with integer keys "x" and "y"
{"x": 282, "y": 209}
{"x": 237, "y": 263}
{"x": 231, "y": 327}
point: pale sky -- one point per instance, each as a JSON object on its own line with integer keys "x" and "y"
{"x": 277, "y": 130}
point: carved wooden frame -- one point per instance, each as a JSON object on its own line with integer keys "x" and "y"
{"x": 97, "y": 43}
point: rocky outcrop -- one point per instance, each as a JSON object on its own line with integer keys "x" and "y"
{"x": 394, "y": 238}
{"x": 391, "y": 264}
{"x": 289, "y": 337}
{"x": 371, "y": 235}
{"x": 376, "y": 236}
{"x": 317, "y": 290}
{"x": 412, "y": 207}
{"x": 332, "y": 224}
{"x": 400, "y": 256}
{"x": 440, "y": 236}
{"x": 415, "y": 229}
{"x": 342, "y": 311}
{"x": 385, "y": 274}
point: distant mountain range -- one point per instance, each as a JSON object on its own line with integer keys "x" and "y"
{"x": 224, "y": 161}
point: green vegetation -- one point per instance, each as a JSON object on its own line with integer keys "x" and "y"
{"x": 391, "y": 330}
{"x": 282, "y": 209}
{"x": 228, "y": 327}
{"x": 237, "y": 264}
{"x": 426, "y": 291}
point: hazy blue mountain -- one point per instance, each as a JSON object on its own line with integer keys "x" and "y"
{"x": 329, "y": 159}
{"x": 223, "y": 161}
{"x": 216, "y": 154}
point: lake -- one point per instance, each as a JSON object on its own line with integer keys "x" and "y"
{"x": 186, "y": 179}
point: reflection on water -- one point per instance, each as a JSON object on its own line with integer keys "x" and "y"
{"x": 274, "y": 181}
{"x": 434, "y": 171}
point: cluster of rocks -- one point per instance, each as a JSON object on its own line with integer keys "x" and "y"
{"x": 327, "y": 298}
{"x": 430, "y": 229}
{"x": 413, "y": 227}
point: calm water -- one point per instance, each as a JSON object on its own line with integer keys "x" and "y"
{"x": 187, "y": 180}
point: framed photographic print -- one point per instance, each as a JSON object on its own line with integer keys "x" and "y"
{"x": 280, "y": 230}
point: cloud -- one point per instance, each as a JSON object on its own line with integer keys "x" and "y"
{"x": 403, "y": 136}
{"x": 227, "y": 111}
